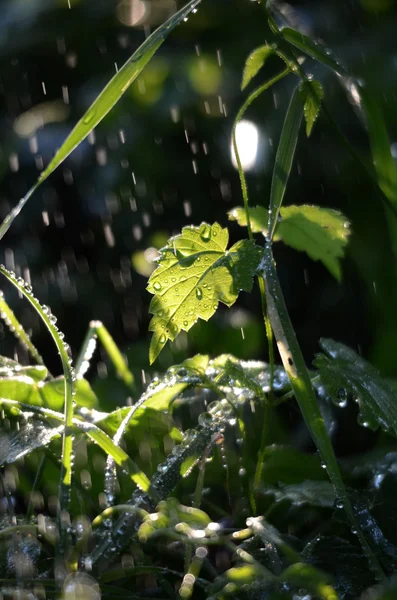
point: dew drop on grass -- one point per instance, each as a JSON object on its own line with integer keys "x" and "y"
{"x": 89, "y": 117}
{"x": 157, "y": 286}
{"x": 199, "y": 293}
{"x": 162, "y": 339}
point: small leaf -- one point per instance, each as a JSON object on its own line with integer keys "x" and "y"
{"x": 284, "y": 158}
{"x": 254, "y": 63}
{"x": 320, "y": 232}
{"x": 314, "y": 49}
{"x": 195, "y": 273}
{"x": 312, "y": 93}
{"x": 341, "y": 370}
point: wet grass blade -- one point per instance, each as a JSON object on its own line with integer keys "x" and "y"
{"x": 313, "y": 49}
{"x": 298, "y": 375}
{"x": 67, "y": 440}
{"x": 285, "y": 157}
{"x": 104, "y": 102}
{"x": 10, "y": 319}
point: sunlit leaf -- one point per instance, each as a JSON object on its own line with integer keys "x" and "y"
{"x": 195, "y": 273}
{"x": 50, "y": 394}
{"x": 285, "y": 157}
{"x": 312, "y": 93}
{"x": 311, "y": 579}
{"x": 320, "y": 232}
{"x": 343, "y": 372}
{"x": 254, "y": 63}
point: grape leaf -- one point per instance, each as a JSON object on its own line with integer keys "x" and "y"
{"x": 342, "y": 369}
{"x": 195, "y": 273}
{"x": 320, "y": 232}
{"x": 254, "y": 63}
{"x": 313, "y": 93}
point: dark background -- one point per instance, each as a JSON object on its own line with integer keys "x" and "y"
{"x": 82, "y": 237}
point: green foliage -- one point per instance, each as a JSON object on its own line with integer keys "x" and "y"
{"x": 231, "y": 498}
{"x": 312, "y": 93}
{"x": 195, "y": 273}
{"x": 320, "y": 232}
{"x": 312, "y": 48}
{"x": 343, "y": 372}
{"x": 254, "y": 63}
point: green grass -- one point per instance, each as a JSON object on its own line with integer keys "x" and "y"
{"x": 198, "y": 486}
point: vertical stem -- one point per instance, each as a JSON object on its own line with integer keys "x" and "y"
{"x": 295, "y": 368}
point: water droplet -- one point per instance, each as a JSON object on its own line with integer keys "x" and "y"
{"x": 241, "y": 472}
{"x": 185, "y": 323}
{"x": 199, "y": 293}
{"x": 157, "y": 286}
{"x": 89, "y": 116}
{"x": 162, "y": 339}
{"x": 205, "y": 419}
{"x": 205, "y": 233}
{"x": 339, "y": 504}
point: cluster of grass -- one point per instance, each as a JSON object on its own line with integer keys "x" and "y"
{"x": 202, "y": 485}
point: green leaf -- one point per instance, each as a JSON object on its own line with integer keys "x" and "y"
{"x": 313, "y": 49}
{"x": 342, "y": 370}
{"x": 51, "y": 394}
{"x": 384, "y": 162}
{"x": 312, "y": 94}
{"x": 195, "y": 273}
{"x": 311, "y": 579}
{"x": 284, "y": 158}
{"x": 320, "y": 232}
{"x": 254, "y": 63}
{"x": 109, "y": 96}
{"x": 315, "y": 493}
{"x": 290, "y": 466}
{"x": 145, "y": 423}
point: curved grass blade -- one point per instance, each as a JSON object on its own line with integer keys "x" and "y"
{"x": 284, "y": 157}
{"x": 313, "y": 49}
{"x": 96, "y": 434}
{"x": 104, "y": 102}
{"x": 10, "y": 319}
{"x": 298, "y": 375}
{"x": 69, "y": 378}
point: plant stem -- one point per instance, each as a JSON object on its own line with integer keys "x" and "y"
{"x": 298, "y": 375}
{"x": 253, "y": 96}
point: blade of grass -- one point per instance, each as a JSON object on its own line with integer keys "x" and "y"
{"x": 298, "y": 375}
{"x": 10, "y": 319}
{"x": 69, "y": 378}
{"x": 96, "y": 330}
{"x": 104, "y": 102}
{"x": 284, "y": 158}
